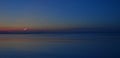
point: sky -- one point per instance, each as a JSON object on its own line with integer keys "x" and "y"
{"x": 58, "y": 14}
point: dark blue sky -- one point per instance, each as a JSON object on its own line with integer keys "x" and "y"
{"x": 59, "y": 14}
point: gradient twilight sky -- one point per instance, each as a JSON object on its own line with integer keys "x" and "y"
{"x": 59, "y": 14}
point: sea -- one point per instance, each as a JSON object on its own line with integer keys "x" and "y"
{"x": 82, "y": 45}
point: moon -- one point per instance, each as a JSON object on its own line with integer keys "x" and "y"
{"x": 25, "y": 29}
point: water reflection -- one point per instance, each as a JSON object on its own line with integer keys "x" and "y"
{"x": 48, "y": 46}
{"x": 30, "y": 44}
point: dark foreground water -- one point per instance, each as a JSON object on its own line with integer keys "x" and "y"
{"x": 84, "y": 45}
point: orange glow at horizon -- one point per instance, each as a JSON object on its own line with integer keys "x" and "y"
{"x": 12, "y": 29}
{"x": 23, "y": 29}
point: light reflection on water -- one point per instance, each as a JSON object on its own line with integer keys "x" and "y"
{"x": 59, "y": 46}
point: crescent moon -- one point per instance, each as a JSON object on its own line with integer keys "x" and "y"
{"x": 25, "y": 29}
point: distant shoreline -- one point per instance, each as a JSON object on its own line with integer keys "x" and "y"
{"x": 52, "y": 32}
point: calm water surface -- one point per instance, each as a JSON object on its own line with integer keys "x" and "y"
{"x": 85, "y": 45}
